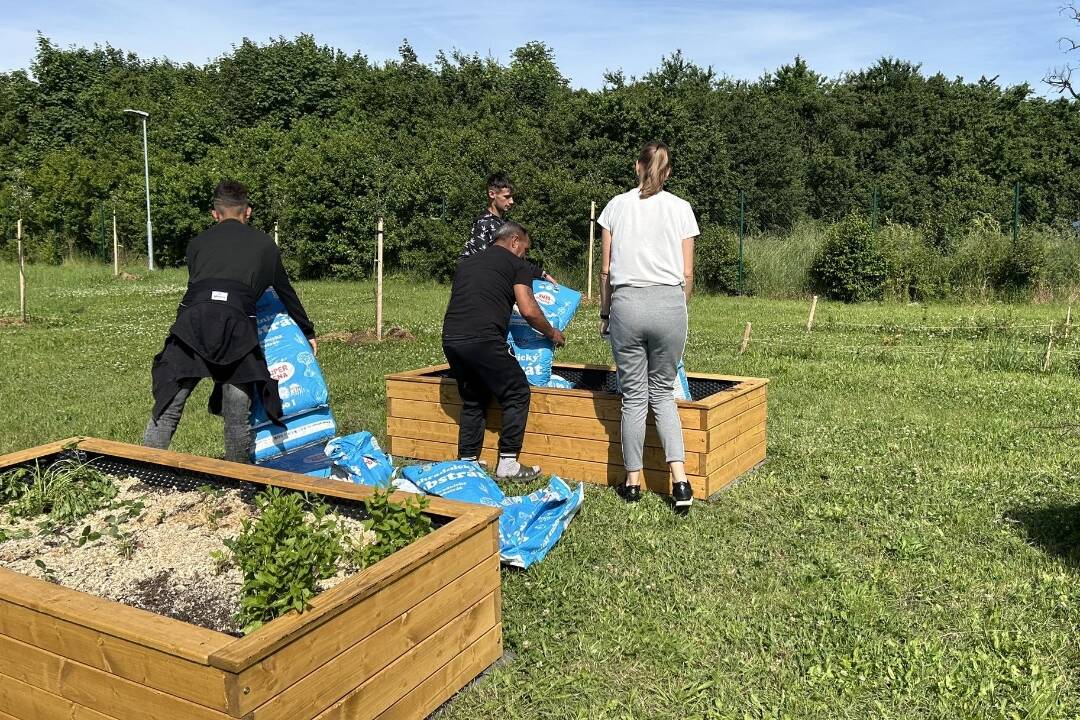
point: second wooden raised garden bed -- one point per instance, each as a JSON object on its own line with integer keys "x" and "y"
{"x": 575, "y": 433}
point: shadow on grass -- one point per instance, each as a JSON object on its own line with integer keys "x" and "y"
{"x": 1054, "y": 528}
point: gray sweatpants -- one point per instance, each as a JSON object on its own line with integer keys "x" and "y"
{"x": 235, "y": 409}
{"x": 648, "y": 337}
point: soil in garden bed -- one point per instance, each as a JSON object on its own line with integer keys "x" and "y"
{"x": 151, "y": 548}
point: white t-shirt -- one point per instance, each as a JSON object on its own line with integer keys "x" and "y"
{"x": 646, "y": 238}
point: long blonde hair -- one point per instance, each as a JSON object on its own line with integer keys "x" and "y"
{"x": 654, "y": 168}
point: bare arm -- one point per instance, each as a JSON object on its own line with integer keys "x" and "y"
{"x": 688, "y": 266}
{"x": 533, "y": 315}
{"x": 605, "y": 280}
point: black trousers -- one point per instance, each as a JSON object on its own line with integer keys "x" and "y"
{"x": 484, "y": 369}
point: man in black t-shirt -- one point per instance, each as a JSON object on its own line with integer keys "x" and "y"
{"x": 486, "y": 287}
{"x": 214, "y": 335}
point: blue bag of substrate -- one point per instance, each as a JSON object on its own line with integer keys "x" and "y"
{"x": 313, "y": 426}
{"x": 529, "y": 526}
{"x": 289, "y": 359}
{"x": 456, "y": 480}
{"x": 534, "y": 351}
{"x": 365, "y": 463}
{"x": 558, "y": 303}
{"x": 558, "y": 381}
{"x": 682, "y": 385}
{"x": 308, "y": 460}
{"x": 534, "y": 355}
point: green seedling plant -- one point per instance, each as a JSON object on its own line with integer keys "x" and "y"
{"x": 66, "y": 491}
{"x": 283, "y": 554}
{"x": 395, "y": 525}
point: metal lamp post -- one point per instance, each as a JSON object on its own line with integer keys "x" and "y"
{"x": 146, "y": 168}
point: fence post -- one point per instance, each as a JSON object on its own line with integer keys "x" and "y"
{"x": 592, "y": 239}
{"x": 1049, "y": 345}
{"x": 745, "y": 339}
{"x": 813, "y": 309}
{"x": 115, "y": 247}
{"x": 378, "y": 282}
{"x": 22, "y": 272}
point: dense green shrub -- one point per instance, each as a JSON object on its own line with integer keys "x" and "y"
{"x": 849, "y": 266}
{"x": 914, "y": 268}
{"x": 716, "y": 262}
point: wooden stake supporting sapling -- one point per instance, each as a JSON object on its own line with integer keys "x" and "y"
{"x": 1068, "y": 321}
{"x": 1049, "y": 346}
{"x": 745, "y": 339}
{"x": 115, "y": 247}
{"x": 813, "y": 309}
{"x": 592, "y": 240}
{"x": 378, "y": 281}
{"x": 276, "y": 236}
{"x": 22, "y": 272}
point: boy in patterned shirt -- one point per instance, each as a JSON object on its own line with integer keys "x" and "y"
{"x": 500, "y": 199}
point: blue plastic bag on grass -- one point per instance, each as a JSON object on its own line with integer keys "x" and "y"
{"x": 455, "y": 480}
{"x": 308, "y": 460}
{"x": 289, "y": 359}
{"x": 308, "y": 428}
{"x": 529, "y": 526}
{"x": 366, "y": 463}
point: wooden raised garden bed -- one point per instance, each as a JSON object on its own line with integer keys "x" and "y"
{"x": 575, "y": 433}
{"x": 395, "y": 640}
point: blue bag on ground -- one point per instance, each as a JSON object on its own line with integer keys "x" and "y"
{"x": 308, "y": 460}
{"x": 314, "y": 426}
{"x": 456, "y": 480}
{"x": 558, "y": 381}
{"x": 534, "y": 351}
{"x": 529, "y": 526}
{"x": 289, "y": 359}
{"x": 365, "y": 462}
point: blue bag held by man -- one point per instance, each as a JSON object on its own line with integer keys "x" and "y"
{"x": 535, "y": 352}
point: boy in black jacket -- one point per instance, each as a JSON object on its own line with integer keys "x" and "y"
{"x": 215, "y": 336}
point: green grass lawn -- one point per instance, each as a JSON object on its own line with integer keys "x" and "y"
{"x": 909, "y": 550}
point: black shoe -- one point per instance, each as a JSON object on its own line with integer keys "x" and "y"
{"x": 629, "y": 493}
{"x": 683, "y": 495}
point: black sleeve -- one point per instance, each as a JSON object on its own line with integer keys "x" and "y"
{"x": 290, "y": 300}
{"x": 524, "y": 273}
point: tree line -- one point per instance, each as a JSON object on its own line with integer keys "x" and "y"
{"x": 329, "y": 141}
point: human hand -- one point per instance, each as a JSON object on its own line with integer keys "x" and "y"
{"x": 604, "y": 330}
{"x": 550, "y": 279}
{"x": 557, "y": 337}
{"x": 314, "y": 346}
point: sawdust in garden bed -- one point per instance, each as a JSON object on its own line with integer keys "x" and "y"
{"x": 160, "y": 559}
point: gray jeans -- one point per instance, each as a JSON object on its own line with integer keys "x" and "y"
{"x": 235, "y": 408}
{"x": 648, "y": 337}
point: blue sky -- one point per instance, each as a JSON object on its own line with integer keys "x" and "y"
{"x": 1016, "y": 40}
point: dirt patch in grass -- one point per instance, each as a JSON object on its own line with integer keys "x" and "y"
{"x": 367, "y": 337}
{"x": 11, "y": 321}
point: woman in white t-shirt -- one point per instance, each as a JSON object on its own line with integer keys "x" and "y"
{"x": 647, "y": 274}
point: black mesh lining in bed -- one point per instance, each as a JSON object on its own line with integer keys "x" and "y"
{"x": 604, "y": 381}
{"x": 161, "y": 476}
